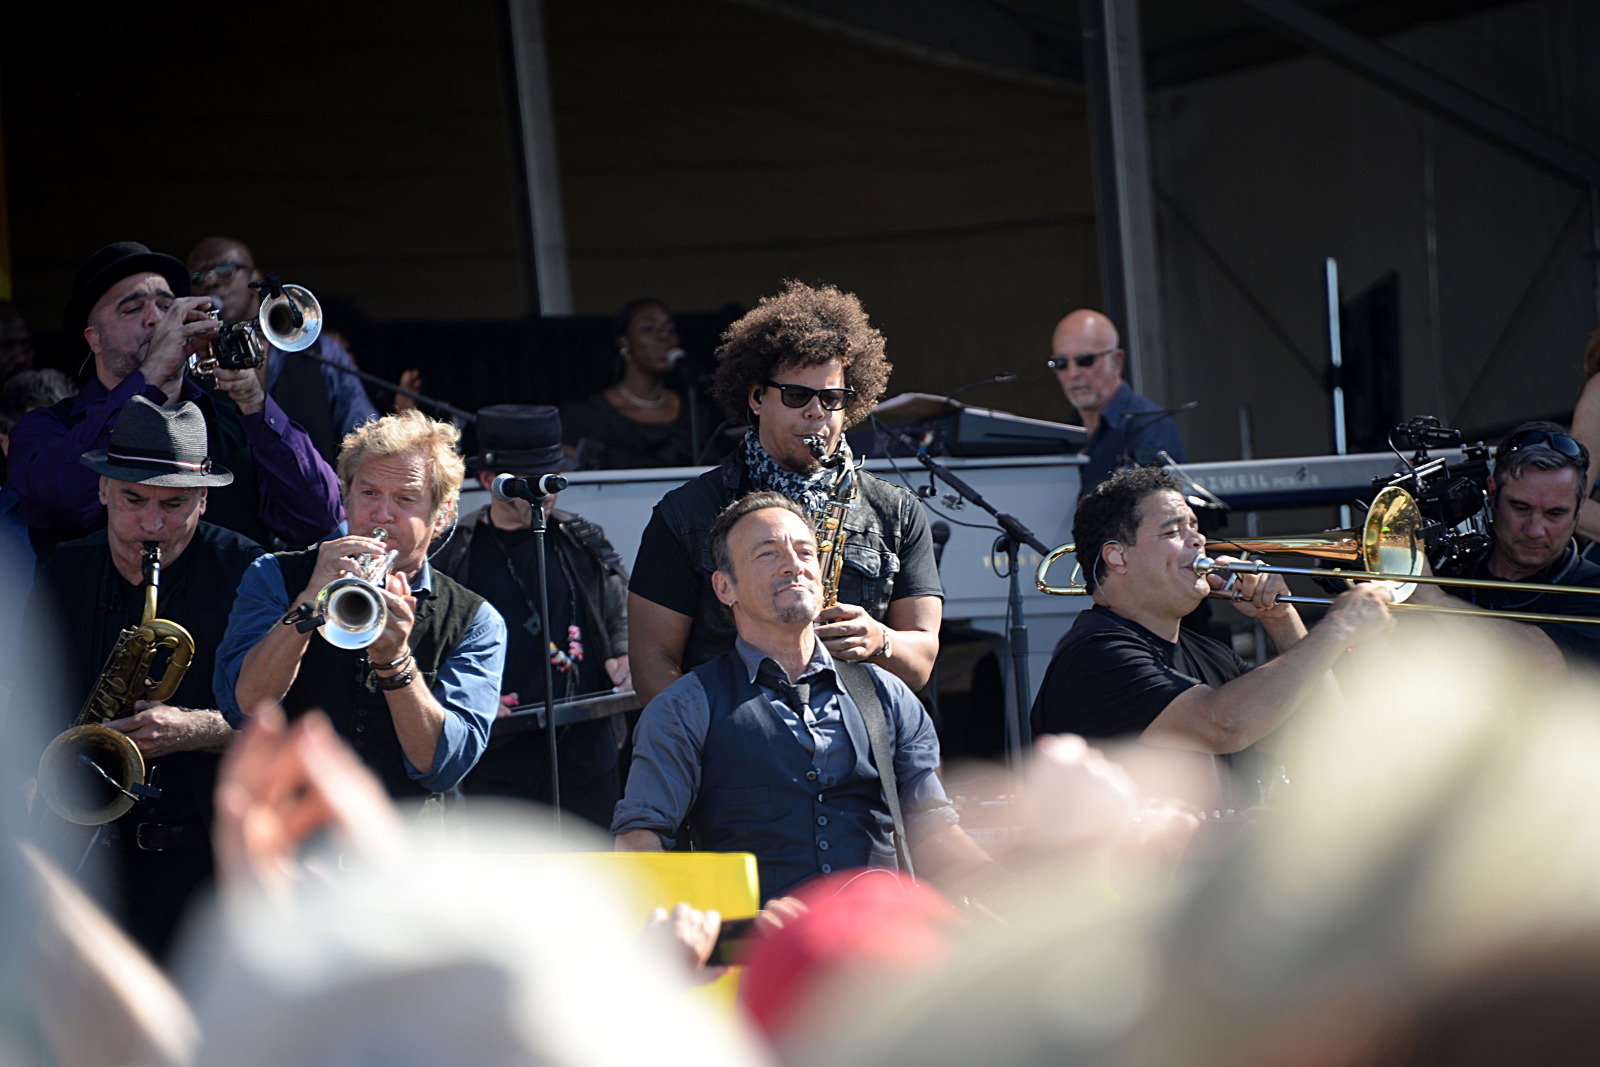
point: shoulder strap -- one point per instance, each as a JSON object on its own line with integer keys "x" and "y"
{"x": 593, "y": 540}
{"x": 864, "y": 691}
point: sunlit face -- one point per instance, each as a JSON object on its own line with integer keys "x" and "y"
{"x": 651, "y": 335}
{"x": 775, "y": 576}
{"x": 121, "y": 322}
{"x": 395, "y": 493}
{"x": 137, "y": 514}
{"x": 1157, "y": 570}
{"x": 784, "y": 429}
{"x": 1535, "y": 517}
{"x": 239, "y": 301}
{"x": 1081, "y": 334}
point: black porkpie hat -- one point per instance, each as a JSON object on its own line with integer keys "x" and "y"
{"x": 109, "y": 266}
{"x": 520, "y": 439}
{"x": 158, "y": 446}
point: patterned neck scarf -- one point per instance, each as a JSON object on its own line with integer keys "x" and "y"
{"x": 810, "y": 491}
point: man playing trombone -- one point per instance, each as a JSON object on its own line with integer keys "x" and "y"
{"x": 416, "y": 702}
{"x": 1126, "y": 668}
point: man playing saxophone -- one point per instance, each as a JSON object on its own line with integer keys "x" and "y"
{"x": 417, "y": 702}
{"x": 154, "y": 479}
{"x": 799, "y": 369}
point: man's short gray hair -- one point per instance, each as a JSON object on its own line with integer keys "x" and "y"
{"x": 1512, "y": 463}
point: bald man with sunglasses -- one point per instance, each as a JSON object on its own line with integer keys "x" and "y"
{"x": 1088, "y": 362}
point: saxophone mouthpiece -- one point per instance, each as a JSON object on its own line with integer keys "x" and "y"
{"x": 818, "y": 445}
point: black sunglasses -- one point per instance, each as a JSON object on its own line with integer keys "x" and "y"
{"x": 798, "y": 396}
{"x": 1085, "y": 360}
{"x": 1556, "y": 442}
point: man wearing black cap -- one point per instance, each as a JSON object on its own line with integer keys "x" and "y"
{"x": 132, "y": 307}
{"x": 154, "y": 478}
{"x": 493, "y": 554}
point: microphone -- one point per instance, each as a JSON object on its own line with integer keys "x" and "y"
{"x": 1003, "y": 378}
{"x": 676, "y": 356}
{"x": 508, "y": 487}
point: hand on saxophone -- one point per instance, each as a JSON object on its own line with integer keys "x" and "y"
{"x": 850, "y": 633}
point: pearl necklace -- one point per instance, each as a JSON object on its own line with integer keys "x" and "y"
{"x": 641, "y": 401}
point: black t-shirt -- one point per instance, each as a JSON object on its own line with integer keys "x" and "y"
{"x": 1579, "y": 642}
{"x": 664, "y": 574}
{"x": 492, "y": 579}
{"x": 626, "y": 443}
{"x": 1111, "y": 677}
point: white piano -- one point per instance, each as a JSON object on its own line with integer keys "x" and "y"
{"x": 1042, "y": 491}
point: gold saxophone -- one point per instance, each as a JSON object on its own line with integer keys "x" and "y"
{"x": 829, "y": 521}
{"x": 92, "y": 774}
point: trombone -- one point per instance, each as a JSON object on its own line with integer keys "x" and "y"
{"x": 1388, "y": 547}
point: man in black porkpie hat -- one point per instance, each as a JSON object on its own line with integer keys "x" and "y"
{"x": 154, "y": 478}
{"x": 132, "y": 307}
{"x": 493, "y": 554}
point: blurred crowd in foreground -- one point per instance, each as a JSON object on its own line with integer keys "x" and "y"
{"x": 1422, "y": 887}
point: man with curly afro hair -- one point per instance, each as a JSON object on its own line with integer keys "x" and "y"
{"x": 798, "y": 370}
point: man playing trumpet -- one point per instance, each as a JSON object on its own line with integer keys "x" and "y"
{"x": 1126, "y": 669}
{"x": 416, "y": 703}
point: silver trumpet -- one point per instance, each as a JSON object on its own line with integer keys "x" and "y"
{"x": 290, "y": 318}
{"x": 352, "y": 607}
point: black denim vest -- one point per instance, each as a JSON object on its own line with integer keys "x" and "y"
{"x": 877, "y": 529}
{"x": 340, "y": 682}
{"x": 759, "y": 791}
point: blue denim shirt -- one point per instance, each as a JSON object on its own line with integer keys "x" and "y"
{"x": 468, "y": 684}
{"x": 1126, "y": 426}
{"x": 667, "y": 745}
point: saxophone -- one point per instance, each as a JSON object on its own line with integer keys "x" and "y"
{"x": 829, "y": 520}
{"x": 92, "y": 774}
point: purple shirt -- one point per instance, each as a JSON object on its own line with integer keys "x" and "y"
{"x": 299, "y": 491}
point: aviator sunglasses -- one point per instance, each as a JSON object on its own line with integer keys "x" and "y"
{"x": 1556, "y": 442}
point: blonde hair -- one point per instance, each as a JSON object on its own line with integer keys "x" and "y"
{"x": 405, "y": 434}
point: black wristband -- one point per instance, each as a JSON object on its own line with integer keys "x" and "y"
{"x": 396, "y": 665}
{"x": 398, "y": 681}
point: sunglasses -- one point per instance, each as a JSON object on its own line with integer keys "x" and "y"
{"x": 1556, "y": 442}
{"x": 222, "y": 274}
{"x": 798, "y": 396}
{"x": 1086, "y": 360}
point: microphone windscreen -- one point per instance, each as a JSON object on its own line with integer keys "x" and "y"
{"x": 676, "y": 356}
{"x": 498, "y": 488}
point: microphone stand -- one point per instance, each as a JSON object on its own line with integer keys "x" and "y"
{"x": 372, "y": 379}
{"x": 549, "y": 668}
{"x": 1150, "y": 418}
{"x": 1018, "y": 729}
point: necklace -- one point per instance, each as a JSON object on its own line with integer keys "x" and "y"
{"x": 641, "y": 401}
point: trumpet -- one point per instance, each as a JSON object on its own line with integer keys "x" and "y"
{"x": 290, "y": 319}
{"x": 1389, "y": 549}
{"x": 351, "y": 607}
{"x": 92, "y": 774}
